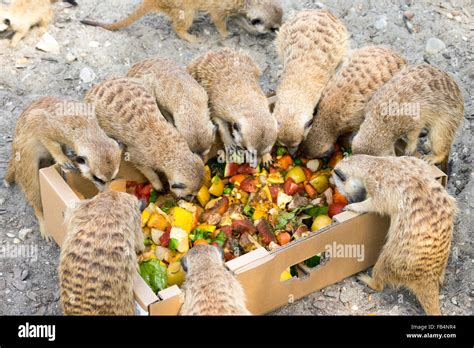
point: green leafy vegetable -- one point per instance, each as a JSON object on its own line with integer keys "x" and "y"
{"x": 297, "y": 161}
{"x": 316, "y": 210}
{"x": 173, "y": 244}
{"x": 168, "y": 205}
{"x": 199, "y": 234}
{"x": 220, "y": 239}
{"x": 227, "y": 191}
{"x": 154, "y": 274}
{"x": 153, "y": 196}
{"x": 248, "y": 210}
{"x": 281, "y": 151}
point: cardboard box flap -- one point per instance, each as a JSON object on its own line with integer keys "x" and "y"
{"x": 143, "y": 293}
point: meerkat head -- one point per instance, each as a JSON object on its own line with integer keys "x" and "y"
{"x": 293, "y": 126}
{"x": 186, "y": 177}
{"x": 320, "y": 141}
{"x": 372, "y": 141}
{"x": 202, "y": 257}
{"x": 99, "y": 161}
{"x": 261, "y": 16}
{"x": 349, "y": 176}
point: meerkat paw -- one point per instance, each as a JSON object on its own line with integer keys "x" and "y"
{"x": 68, "y": 166}
{"x": 44, "y": 234}
{"x": 354, "y": 207}
{"x": 431, "y": 159}
{"x": 267, "y": 160}
{"x": 370, "y": 282}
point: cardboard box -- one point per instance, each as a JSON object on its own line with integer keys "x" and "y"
{"x": 258, "y": 271}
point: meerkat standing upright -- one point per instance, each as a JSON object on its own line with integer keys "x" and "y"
{"x": 419, "y": 96}
{"x": 209, "y": 288}
{"x": 255, "y": 16}
{"x": 43, "y": 130}
{"x": 22, "y": 15}
{"x": 181, "y": 98}
{"x": 311, "y": 45}
{"x": 128, "y": 113}
{"x": 341, "y": 108}
{"x": 421, "y": 214}
{"x": 238, "y": 105}
{"x": 98, "y": 258}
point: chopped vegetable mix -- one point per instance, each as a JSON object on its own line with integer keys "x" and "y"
{"x": 239, "y": 209}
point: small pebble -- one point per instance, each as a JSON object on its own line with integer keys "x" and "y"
{"x": 449, "y": 15}
{"x": 16, "y": 241}
{"x": 70, "y": 57}
{"x": 434, "y": 45}
{"x": 48, "y": 44}
{"x": 24, "y": 232}
{"x": 10, "y": 235}
{"x": 454, "y": 301}
{"x": 87, "y": 75}
{"x": 408, "y": 14}
{"x": 381, "y": 23}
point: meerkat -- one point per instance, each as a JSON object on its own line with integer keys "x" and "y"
{"x": 210, "y": 288}
{"x": 22, "y": 15}
{"x": 421, "y": 214}
{"x": 238, "y": 104}
{"x": 255, "y": 16}
{"x": 311, "y": 45}
{"x": 43, "y": 131}
{"x": 420, "y": 96}
{"x": 180, "y": 98}
{"x": 128, "y": 113}
{"x": 341, "y": 108}
{"x": 98, "y": 257}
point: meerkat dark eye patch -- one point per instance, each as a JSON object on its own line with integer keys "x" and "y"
{"x": 236, "y": 127}
{"x": 340, "y": 174}
{"x": 80, "y": 160}
{"x": 97, "y": 180}
{"x": 184, "y": 263}
{"x": 6, "y": 21}
{"x": 309, "y": 123}
{"x": 178, "y": 186}
{"x": 256, "y": 21}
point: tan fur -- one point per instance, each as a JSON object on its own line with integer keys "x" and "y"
{"x": 42, "y": 131}
{"x": 128, "y": 113}
{"x": 422, "y": 216}
{"x": 238, "y": 104}
{"x": 210, "y": 288}
{"x": 181, "y": 97}
{"x": 22, "y": 15}
{"x": 98, "y": 257}
{"x": 182, "y": 13}
{"x": 341, "y": 108}
{"x": 441, "y": 111}
{"x": 311, "y": 45}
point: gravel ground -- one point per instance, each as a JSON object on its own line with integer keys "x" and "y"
{"x": 29, "y": 285}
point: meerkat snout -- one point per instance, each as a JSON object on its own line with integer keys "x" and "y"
{"x": 262, "y": 17}
{"x": 350, "y": 186}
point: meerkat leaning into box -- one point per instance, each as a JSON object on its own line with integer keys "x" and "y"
{"x": 22, "y": 15}
{"x": 418, "y": 97}
{"x": 255, "y": 16}
{"x": 210, "y": 288}
{"x": 43, "y": 132}
{"x": 422, "y": 215}
{"x": 238, "y": 105}
{"x": 341, "y": 108}
{"x": 180, "y": 99}
{"x": 128, "y": 113}
{"x": 98, "y": 259}
{"x": 311, "y": 45}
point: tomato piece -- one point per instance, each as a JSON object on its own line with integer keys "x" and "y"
{"x": 283, "y": 238}
{"x": 274, "y": 189}
{"x": 290, "y": 187}
{"x": 246, "y": 169}
{"x": 335, "y": 208}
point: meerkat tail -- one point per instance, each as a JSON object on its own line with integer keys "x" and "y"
{"x": 10, "y": 174}
{"x": 371, "y": 283}
{"x": 141, "y": 11}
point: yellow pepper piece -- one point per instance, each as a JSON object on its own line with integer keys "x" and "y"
{"x": 181, "y": 218}
{"x": 217, "y": 187}
{"x": 203, "y": 195}
{"x": 275, "y": 178}
{"x": 297, "y": 174}
{"x": 207, "y": 227}
{"x": 145, "y": 217}
{"x": 319, "y": 182}
{"x": 258, "y": 214}
{"x": 285, "y": 275}
{"x": 175, "y": 274}
{"x": 158, "y": 221}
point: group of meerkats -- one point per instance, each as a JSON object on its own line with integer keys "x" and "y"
{"x": 166, "y": 119}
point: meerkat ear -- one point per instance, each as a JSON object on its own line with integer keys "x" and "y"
{"x": 184, "y": 263}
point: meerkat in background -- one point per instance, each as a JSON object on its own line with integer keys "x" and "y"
{"x": 422, "y": 216}
{"x": 210, "y": 288}
{"x": 238, "y": 105}
{"x": 98, "y": 257}
{"x": 311, "y": 45}
{"x": 255, "y": 16}
{"x": 341, "y": 108}
{"x": 420, "y": 96}
{"x": 43, "y": 131}
{"x": 22, "y": 15}
{"x": 127, "y": 112}
{"x": 180, "y": 99}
